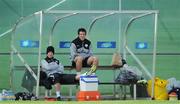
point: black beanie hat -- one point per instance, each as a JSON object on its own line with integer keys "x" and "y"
{"x": 50, "y": 48}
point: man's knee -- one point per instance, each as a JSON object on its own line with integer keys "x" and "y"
{"x": 78, "y": 59}
{"x": 92, "y": 60}
{"x": 95, "y": 59}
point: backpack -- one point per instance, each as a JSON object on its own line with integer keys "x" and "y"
{"x": 25, "y": 96}
{"x": 128, "y": 75}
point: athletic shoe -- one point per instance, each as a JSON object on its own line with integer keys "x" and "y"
{"x": 58, "y": 98}
{"x": 91, "y": 70}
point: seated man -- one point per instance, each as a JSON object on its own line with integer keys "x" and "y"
{"x": 81, "y": 53}
{"x": 54, "y": 70}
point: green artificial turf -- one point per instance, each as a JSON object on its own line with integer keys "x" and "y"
{"x": 93, "y": 102}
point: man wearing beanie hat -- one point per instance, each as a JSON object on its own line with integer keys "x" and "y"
{"x": 54, "y": 70}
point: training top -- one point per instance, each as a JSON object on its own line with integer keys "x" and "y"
{"x": 80, "y": 48}
{"x": 51, "y": 66}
